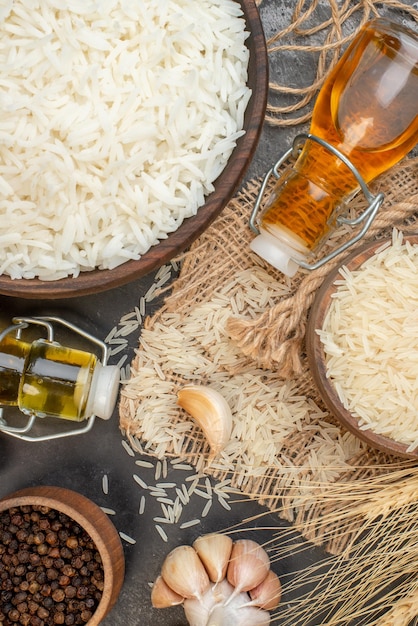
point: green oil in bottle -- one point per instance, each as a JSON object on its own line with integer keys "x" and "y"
{"x": 56, "y": 381}
{"x": 13, "y": 353}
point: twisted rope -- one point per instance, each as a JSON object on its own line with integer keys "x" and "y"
{"x": 275, "y": 339}
{"x": 329, "y": 37}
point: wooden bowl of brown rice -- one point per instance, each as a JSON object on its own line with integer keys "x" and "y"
{"x": 362, "y": 344}
{"x": 123, "y": 136}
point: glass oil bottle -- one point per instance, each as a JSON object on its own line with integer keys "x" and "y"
{"x": 43, "y": 378}
{"x": 364, "y": 121}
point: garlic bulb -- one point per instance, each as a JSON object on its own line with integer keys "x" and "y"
{"x": 243, "y": 588}
{"x": 211, "y": 412}
{"x": 214, "y": 551}
{"x": 184, "y": 572}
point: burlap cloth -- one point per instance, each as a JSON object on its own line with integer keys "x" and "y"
{"x": 233, "y": 322}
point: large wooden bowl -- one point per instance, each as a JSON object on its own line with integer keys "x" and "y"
{"x": 94, "y": 521}
{"x": 225, "y": 187}
{"x": 317, "y": 362}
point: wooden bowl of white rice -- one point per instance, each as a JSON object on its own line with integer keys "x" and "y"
{"x": 125, "y": 129}
{"x": 362, "y": 344}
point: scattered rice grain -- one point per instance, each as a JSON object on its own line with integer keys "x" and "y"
{"x": 158, "y": 470}
{"x": 142, "y": 503}
{"x": 203, "y": 494}
{"x": 207, "y": 508}
{"x": 128, "y": 448}
{"x": 108, "y": 511}
{"x": 183, "y": 466}
{"x": 156, "y": 493}
{"x": 224, "y": 503}
{"x": 142, "y": 306}
{"x": 162, "y": 520}
{"x": 165, "y": 500}
{"x": 146, "y": 464}
{"x": 139, "y": 481}
{"x": 161, "y": 532}
{"x": 127, "y": 538}
{"x": 192, "y": 522}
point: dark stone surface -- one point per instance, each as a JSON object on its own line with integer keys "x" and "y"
{"x": 80, "y": 462}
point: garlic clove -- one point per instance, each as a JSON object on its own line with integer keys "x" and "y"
{"x": 162, "y": 596}
{"x": 214, "y": 551}
{"x": 268, "y": 593}
{"x": 248, "y": 566}
{"x": 184, "y": 572}
{"x": 211, "y": 412}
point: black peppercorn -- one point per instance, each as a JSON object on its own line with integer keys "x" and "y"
{"x": 42, "y": 548}
{"x": 50, "y": 569}
{"x": 25, "y": 619}
{"x": 13, "y": 615}
{"x": 58, "y": 595}
{"x": 42, "y": 613}
{"x": 72, "y": 543}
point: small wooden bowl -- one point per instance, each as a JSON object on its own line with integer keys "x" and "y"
{"x": 225, "y": 186}
{"x": 94, "y": 521}
{"x": 316, "y": 354}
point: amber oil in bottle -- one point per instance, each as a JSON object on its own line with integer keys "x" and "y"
{"x": 368, "y": 110}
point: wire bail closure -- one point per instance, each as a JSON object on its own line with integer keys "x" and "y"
{"x": 46, "y": 322}
{"x": 367, "y": 216}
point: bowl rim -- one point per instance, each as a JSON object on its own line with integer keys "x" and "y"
{"x": 316, "y": 355}
{"x": 97, "y": 280}
{"x": 94, "y": 521}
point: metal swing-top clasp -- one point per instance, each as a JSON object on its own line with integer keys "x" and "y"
{"x": 44, "y": 379}
{"x": 365, "y": 218}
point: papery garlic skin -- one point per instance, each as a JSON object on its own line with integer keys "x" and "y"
{"x": 222, "y": 591}
{"x": 249, "y": 616}
{"x": 233, "y": 611}
{"x": 211, "y": 412}
{"x": 213, "y": 609}
{"x": 197, "y": 612}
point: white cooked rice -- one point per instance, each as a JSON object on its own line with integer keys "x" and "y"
{"x": 370, "y": 339}
{"x": 116, "y": 117}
